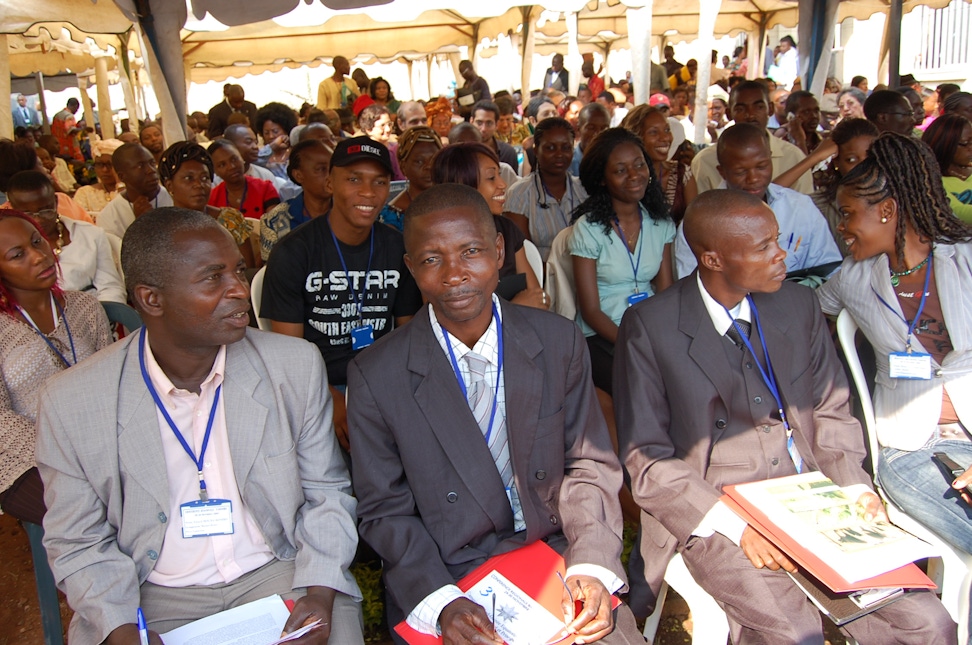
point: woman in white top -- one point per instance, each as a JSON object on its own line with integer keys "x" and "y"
{"x": 96, "y": 196}
{"x": 83, "y": 249}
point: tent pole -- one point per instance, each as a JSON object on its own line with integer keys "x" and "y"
{"x": 529, "y": 38}
{"x": 86, "y": 106}
{"x": 708, "y": 12}
{"x": 894, "y": 44}
{"x": 574, "y": 59}
{"x": 639, "y": 36}
{"x": 39, "y": 79}
{"x": 124, "y": 69}
{"x": 6, "y": 118}
{"x": 104, "y": 99}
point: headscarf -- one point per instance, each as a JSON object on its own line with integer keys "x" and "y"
{"x": 415, "y": 135}
{"x": 105, "y": 147}
{"x": 441, "y": 106}
{"x": 179, "y": 153}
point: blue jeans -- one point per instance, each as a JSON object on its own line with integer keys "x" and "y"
{"x": 916, "y": 485}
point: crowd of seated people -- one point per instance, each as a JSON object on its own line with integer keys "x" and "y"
{"x": 418, "y": 393}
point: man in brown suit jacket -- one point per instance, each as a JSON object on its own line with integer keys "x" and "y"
{"x": 694, "y": 414}
{"x": 433, "y": 500}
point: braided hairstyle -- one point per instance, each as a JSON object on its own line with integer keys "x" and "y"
{"x": 598, "y": 206}
{"x": 903, "y": 169}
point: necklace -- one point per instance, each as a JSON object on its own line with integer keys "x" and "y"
{"x": 898, "y": 274}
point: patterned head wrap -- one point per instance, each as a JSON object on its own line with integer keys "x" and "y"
{"x": 415, "y": 135}
{"x": 105, "y": 147}
{"x": 179, "y": 153}
{"x": 441, "y": 106}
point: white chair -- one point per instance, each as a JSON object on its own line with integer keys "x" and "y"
{"x": 533, "y": 257}
{"x": 256, "y": 293}
{"x": 709, "y": 623}
{"x": 953, "y": 573}
{"x": 559, "y": 284}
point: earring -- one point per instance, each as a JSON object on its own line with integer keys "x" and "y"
{"x": 884, "y": 220}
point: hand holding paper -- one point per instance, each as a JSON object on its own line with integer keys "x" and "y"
{"x": 315, "y": 606}
{"x": 463, "y": 621}
{"x": 594, "y": 621}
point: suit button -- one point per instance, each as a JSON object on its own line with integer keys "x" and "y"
{"x": 153, "y": 555}
{"x": 775, "y": 461}
{"x": 721, "y": 424}
{"x": 757, "y": 399}
{"x": 162, "y": 518}
{"x": 938, "y": 373}
{"x": 749, "y": 366}
{"x": 541, "y": 474}
{"x": 765, "y": 428}
{"x": 553, "y": 520}
{"x": 451, "y": 498}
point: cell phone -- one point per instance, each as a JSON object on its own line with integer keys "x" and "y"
{"x": 951, "y": 470}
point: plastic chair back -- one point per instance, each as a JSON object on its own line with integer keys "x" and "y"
{"x": 256, "y": 294}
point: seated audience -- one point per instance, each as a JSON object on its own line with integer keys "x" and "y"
{"x": 250, "y": 196}
{"x": 94, "y": 197}
{"x": 119, "y": 482}
{"x": 380, "y": 92}
{"x": 62, "y": 174}
{"x": 17, "y": 157}
{"x": 692, "y": 418}
{"x": 84, "y": 252}
{"x": 136, "y": 168}
{"x": 234, "y": 103}
{"x": 439, "y": 114}
{"x": 749, "y": 103}
{"x": 187, "y": 173}
{"x": 542, "y": 203}
{"x": 340, "y": 281}
{"x": 889, "y": 112}
{"x": 950, "y": 138}
{"x": 958, "y": 103}
{"x": 416, "y": 148}
{"x": 274, "y": 121}
{"x": 150, "y": 136}
{"x": 803, "y": 130}
{"x": 486, "y": 116}
{"x": 678, "y": 184}
{"x": 410, "y": 114}
{"x": 744, "y": 153}
{"x": 907, "y": 284}
{"x": 248, "y": 146}
{"x": 310, "y": 161}
{"x": 621, "y": 246}
{"x": 592, "y": 120}
{"x": 436, "y": 499}
{"x": 476, "y": 166}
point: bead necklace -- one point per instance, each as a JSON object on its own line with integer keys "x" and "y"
{"x": 899, "y": 274}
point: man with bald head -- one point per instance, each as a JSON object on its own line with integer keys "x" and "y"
{"x": 411, "y": 114}
{"x": 337, "y": 90}
{"x": 695, "y": 413}
{"x": 234, "y": 102}
{"x": 442, "y": 483}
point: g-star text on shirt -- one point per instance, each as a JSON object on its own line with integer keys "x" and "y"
{"x": 338, "y": 281}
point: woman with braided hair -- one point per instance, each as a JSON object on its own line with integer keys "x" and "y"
{"x": 908, "y": 284}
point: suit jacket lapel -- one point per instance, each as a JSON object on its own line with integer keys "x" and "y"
{"x": 952, "y": 299}
{"x": 139, "y": 442}
{"x": 890, "y": 309}
{"x": 705, "y": 346}
{"x": 440, "y": 398}
{"x": 246, "y": 415}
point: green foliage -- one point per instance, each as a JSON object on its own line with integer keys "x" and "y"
{"x": 368, "y": 575}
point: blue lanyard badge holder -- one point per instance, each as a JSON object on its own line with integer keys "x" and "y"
{"x": 909, "y": 364}
{"x": 361, "y": 335}
{"x": 637, "y": 296}
{"x": 203, "y": 517}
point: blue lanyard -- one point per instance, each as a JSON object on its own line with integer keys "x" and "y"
{"x": 499, "y": 367}
{"x": 203, "y": 495}
{"x": 921, "y": 305}
{"x": 47, "y": 340}
{"x": 640, "y": 244}
{"x": 359, "y": 302}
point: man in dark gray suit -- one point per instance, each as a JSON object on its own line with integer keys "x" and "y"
{"x": 695, "y": 413}
{"x": 475, "y": 430}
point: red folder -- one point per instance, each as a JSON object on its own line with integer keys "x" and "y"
{"x": 532, "y": 568}
{"x": 908, "y": 576}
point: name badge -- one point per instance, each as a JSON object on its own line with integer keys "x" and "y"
{"x": 915, "y": 366}
{"x": 204, "y": 519}
{"x": 635, "y": 298}
{"x": 362, "y": 337}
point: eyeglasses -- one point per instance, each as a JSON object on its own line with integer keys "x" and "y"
{"x": 46, "y": 213}
{"x": 907, "y": 114}
{"x": 102, "y": 165}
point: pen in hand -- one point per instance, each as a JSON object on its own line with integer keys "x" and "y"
{"x": 143, "y": 637}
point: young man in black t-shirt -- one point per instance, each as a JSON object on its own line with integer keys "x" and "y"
{"x": 340, "y": 280}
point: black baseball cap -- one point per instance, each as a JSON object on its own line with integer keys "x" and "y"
{"x": 355, "y": 149}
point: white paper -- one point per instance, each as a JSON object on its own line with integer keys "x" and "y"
{"x": 256, "y": 623}
{"x": 520, "y": 620}
{"x": 297, "y": 633}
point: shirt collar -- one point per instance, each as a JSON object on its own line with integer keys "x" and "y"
{"x": 487, "y": 346}
{"x": 717, "y": 313}
{"x": 773, "y": 192}
{"x": 164, "y": 386}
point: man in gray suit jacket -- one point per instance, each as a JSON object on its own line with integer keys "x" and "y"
{"x": 25, "y": 116}
{"x": 435, "y": 499}
{"x": 694, "y": 414}
{"x": 261, "y": 503}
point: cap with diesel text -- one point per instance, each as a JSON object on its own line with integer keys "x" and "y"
{"x": 349, "y": 151}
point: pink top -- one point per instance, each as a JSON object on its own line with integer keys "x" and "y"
{"x": 202, "y": 560}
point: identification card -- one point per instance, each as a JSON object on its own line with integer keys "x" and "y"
{"x": 915, "y": 366}
{"x": 362, "y": 337}
{"x": 204, "y": 519}
{"x": 635, "y": 298}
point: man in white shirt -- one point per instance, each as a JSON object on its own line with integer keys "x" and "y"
{"x": 695, "y": 413}
{"x": 745, "y": 164}
{"x": 749, "y": 103}
{"x": 136, "y": 168}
